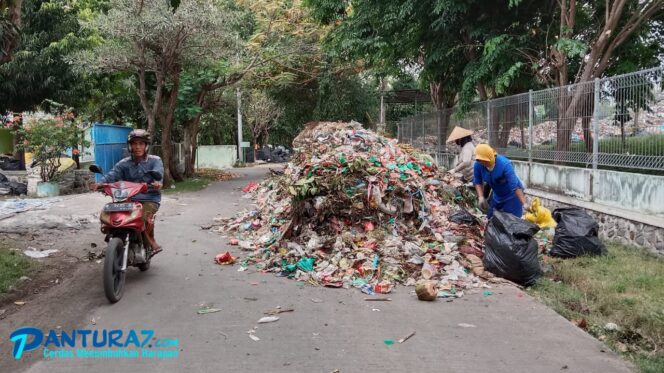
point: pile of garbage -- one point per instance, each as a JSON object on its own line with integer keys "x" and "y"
{"x": 354, "y": 209}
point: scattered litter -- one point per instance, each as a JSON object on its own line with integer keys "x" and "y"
{"x": 378, "y": 299}
{"x": 388, "y": 342}
{"x": 24, "y": 278}
{"x": 250, "y": 299}
{"x": 375, "y": 310}
{"x": 206, "y": 310}
{"x": 36, "y": 254}
{"x": 267, "y": 319}
{"x": 464, "y": 325}
{"x": 225, "y": 258}
{"x": 409, "y": 336}
{"x": 277, "y": 311}
{"x": 581, "y": 323}
{"x": 19, "y": 303}
{"x": 254, "y": 337}
{"x": 250, "y": 187}
{"x": 93, "y": 321}
{"x": 316, "y": 300}
{"x": 426, "y": 291}
{"x": 487, "y": 293}
{"x": 611, "y": 327}
{"x": 353, "y": 209}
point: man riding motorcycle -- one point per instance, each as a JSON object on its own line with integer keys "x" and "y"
{"x": 136, "y": 168}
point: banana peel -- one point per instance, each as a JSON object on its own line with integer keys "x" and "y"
{"x": 540, "y": 215}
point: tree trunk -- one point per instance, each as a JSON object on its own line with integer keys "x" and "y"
{"x": 11, "y": 37}
{"x": 170, "y": 165}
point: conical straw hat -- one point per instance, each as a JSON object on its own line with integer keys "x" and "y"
{"x": 459, "y": 133}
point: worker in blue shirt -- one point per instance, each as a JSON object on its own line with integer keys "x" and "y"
{"x": 497, "y": 171}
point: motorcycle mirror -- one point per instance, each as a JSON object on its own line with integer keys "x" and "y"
{"x": 155, "y": 175}
{"x": 95, "y": 169}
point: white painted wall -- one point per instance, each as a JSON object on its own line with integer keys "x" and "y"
{"x": 216, "y": 156}
{"x": 630, "y": 191}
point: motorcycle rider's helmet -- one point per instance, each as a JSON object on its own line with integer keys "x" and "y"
{"x": 139, "y": 135}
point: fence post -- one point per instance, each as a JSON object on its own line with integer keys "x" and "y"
{"x": 595, "y": 174}
{"x": 439, "y": 140}
{"x": 488, "y": 121}
{"x": 530, "y": 134}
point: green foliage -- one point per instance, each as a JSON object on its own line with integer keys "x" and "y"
{"x": 571, "y": 47}
{"x": 47, "y": 139}
{"x": 39, "y": 71}
{"x": 13, "y": 265}
{"x": 626, "y": 287}
{"x": 345, "y": 99}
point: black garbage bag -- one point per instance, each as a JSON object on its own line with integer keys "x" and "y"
{"x": 576, "y": 234}
{"x": 10, "y": 164}
{"x": 3, "y": 178}
{"x": 463, "y": 217}
{"x": 18, "y": 189}
{"x": 13, "y": 188}
{"x": 510, "y": 250}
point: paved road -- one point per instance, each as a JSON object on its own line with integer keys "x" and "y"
{"x": 329, "y": 329}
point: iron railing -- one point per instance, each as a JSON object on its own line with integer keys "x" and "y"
{"x": 614, "y": 122}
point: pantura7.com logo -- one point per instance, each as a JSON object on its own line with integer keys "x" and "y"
{"x": 95, "y": 344}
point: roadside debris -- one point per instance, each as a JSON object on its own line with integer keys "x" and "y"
{"x": 464, "y": 325}
{"x": 426, "y": 291}
{"x": 206, "y": 309}
{"x": 37, "y": 254}
{"x": 409, "y": 336}
{"x": 354, "y": 209}
{"x": 277, "y": 311}
{"x": 225, "y": 258}
{"x": 511, "y": 251}
{"x": 268, "y": 319}
{"x": 576, "y": 234}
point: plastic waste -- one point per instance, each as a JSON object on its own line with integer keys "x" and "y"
{"x": 463, "y": 217}
{"x": 511, "y": 250}
{"x": 540, "y": 215}
{"x": 224, "y": 258}
{"x": 576, "y": 234}
{"x": 306, "y": 264}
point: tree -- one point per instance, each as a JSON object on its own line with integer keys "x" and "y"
{"x": 10, "y": 27}
{"x": 591, "y": 50}
{"x": 157, "y": 41}
{"x": 262, "y": 113}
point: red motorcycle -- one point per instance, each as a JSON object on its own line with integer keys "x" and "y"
{"x": 122, "y": 223}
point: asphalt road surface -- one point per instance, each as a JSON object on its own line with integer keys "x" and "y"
{"x": 328, "y": 329}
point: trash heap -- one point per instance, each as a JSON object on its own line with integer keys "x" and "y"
{"x": 354, "y": 209}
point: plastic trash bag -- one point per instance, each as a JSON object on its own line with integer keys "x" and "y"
{"x": 540, "y": 215}
{"x": 463, "y": 217}
{"x": 576, "y": 234}
{"x": 511, "y": 250}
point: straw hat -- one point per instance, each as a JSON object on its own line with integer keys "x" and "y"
{"x": 458, "y": 133}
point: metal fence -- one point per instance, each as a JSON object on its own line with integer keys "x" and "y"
{"x": 613, "y": 122}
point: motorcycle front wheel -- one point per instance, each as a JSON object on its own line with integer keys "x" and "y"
{"x": 114, "y": 276}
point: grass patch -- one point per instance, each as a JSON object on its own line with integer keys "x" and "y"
{"x": 625, "y": 287}
{"x": 193, "y": 184}
{"x": 13, "y": 265}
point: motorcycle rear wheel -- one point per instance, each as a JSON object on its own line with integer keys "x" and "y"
{"x": 114, "y": 277}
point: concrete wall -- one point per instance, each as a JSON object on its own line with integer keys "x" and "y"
{"x": 630, "y": 191}
{"x": 216, "y": 156}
